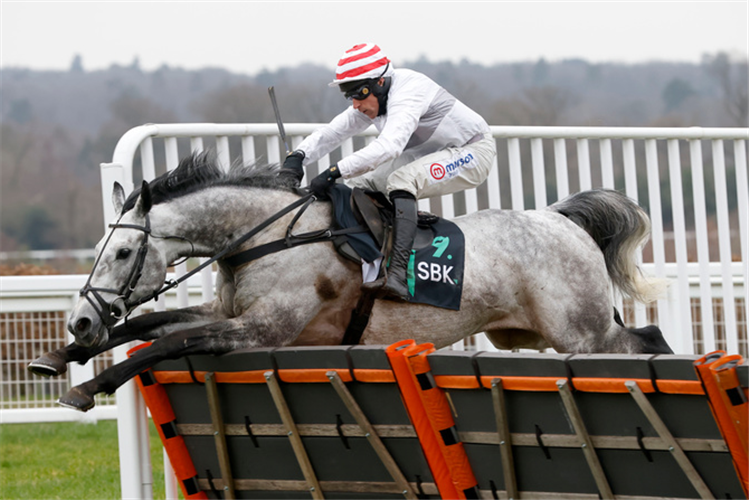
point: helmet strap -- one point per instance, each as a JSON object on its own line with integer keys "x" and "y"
{"x": 381, "y": 92}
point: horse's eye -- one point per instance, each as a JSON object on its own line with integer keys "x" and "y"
{"x": 123, "y": 253}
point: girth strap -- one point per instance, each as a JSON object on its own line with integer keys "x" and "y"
{"x": 359, "y": 319}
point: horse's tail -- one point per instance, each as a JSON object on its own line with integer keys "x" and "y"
{"x": 619, "y": 227}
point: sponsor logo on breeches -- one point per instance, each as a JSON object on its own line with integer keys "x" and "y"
{"x": 439, "y": 172}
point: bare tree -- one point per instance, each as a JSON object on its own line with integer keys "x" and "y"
{"x": 544, "y": 106}
{"x": 732, "y": 75}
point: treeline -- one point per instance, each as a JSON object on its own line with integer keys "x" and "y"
{"x": 58, "y": 126}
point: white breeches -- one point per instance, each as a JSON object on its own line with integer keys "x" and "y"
{"x": 446, "y": 171}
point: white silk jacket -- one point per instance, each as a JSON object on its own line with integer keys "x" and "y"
{"x": 421, "y": 118}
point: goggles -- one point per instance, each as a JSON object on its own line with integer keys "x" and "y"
{"x": 359, "y": 93}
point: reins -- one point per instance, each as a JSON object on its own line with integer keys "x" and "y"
{"x": 110, "y": 315}
{"x": 291, "y": 240}
{"x": 305, "y": 200}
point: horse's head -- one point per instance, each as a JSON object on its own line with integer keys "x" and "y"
{"x": 128, "y": 269}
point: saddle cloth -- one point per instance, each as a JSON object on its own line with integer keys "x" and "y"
{"x": 435, "y": 269}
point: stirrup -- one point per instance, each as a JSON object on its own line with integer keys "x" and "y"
{"x": 374, "y": 286}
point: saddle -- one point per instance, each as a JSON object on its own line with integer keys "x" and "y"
{"x": 435, "y": 273}
{"x": 374, "y": 211}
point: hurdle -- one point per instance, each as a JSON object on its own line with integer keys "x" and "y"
{"x": 406, "y": 421}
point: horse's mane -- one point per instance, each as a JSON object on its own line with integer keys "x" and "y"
{"x": 201, "y": 170}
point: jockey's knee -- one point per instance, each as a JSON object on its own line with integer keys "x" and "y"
{"x": 401, "y": 193}
{"x": 400, "y": 183}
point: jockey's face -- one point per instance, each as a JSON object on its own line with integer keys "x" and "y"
{"x": 369, "y": 106}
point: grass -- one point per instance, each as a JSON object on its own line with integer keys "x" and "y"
{"x": 66, "y": 461}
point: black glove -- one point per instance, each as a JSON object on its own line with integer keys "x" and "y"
{"x": 320, "y": 184}
{"x": 292, "y": 167}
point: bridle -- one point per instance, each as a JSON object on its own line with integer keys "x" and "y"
{"x": 111, "y": 312}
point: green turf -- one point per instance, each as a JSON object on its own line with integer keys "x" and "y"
{"x": 66, "y": 461}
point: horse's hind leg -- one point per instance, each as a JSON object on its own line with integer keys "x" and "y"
{"x": 146, "y": 327}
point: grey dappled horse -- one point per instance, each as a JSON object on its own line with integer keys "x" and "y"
{"x": 533, "y": 279}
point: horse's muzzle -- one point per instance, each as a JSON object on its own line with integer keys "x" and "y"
{"x": 86, "y": 326}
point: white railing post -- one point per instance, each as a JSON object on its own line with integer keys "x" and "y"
{"x": 630, "y": 187}
{"x": 132, "y": 426}
{"x": 657, "y": 237}
{"x": 703, "y": 250}
{"x": 111, "y": 173}
{"x": 539, "y": 173}
{"x": 273, "y": 144}
{"x": 516, "y": 174}
{"x": 681, "y": 311}
{"x": 742, "y": 188}
{"x": 171, "y": 488}
{"x": 147, "y": 160}
{"x": 560, "y": 163}
{"x": 583, "y": 164}
{"x": 607, "y": 164}
{"x": 223, "y": 153}
{"x": 724, "y": 246}
{"x": 492, "y": 181}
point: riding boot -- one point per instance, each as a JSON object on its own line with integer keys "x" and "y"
{"x": 404, "y": 232}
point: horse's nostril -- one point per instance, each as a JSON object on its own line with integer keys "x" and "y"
{"x": 82, "y": 325}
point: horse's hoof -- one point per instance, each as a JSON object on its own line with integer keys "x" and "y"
{"x": 76, "y": 399}
{"x": 48, "y": 365}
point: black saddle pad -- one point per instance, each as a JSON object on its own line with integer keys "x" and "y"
{"x": 435, "y": 270}
{"x": 363, "y": 243}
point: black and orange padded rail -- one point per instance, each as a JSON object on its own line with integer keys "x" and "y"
{"x": 165, "y": 422}
{"x": 622, "y": 404}
{"x": 728, "y": 402}
{"x": 433, "y": 419}
{"x": 292, "y": 403}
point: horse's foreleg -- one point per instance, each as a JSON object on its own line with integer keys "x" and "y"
{"x": 145, "y": 327}
{"x": 216, "y": 338}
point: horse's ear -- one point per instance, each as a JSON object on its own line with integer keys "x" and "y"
{"x": 118, "y": 197}
{"x": 145, "y": 202}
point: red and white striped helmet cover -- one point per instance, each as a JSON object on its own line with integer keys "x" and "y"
{"x": 365, "y": 60}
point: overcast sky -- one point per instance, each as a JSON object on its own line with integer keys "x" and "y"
{"x": 247, "y": 37}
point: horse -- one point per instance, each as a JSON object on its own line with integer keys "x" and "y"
{"x": 533, "y": 279}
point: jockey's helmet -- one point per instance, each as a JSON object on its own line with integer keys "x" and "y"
{"x": 359, "y": 70}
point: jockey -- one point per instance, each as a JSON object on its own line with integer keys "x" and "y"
{"x": 429, "y": 144}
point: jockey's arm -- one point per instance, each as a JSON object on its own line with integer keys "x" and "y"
{"x": 328, "y": 137}
{"x": 396, "y": 128}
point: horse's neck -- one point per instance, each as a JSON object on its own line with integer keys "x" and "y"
{"x": 214, "y": 218}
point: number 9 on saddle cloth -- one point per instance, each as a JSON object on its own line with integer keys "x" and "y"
{"x": 435, "y": 268}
